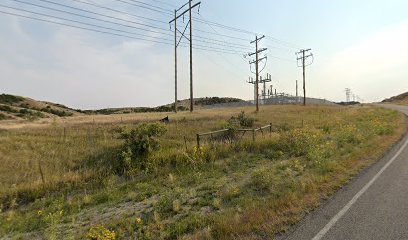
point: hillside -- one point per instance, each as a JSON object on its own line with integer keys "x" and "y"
{"x": 400, "y": 99}
{"x": 16, "y": 107}
{"x": 182, "y": 105}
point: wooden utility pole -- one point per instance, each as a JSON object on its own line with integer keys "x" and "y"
{"x": 304, "y": 79}
{"x": 297, "y": 94}
{"x": 257, "y": 74}
{"x": 175, "y": 61}
{"x": 257, "y": 60}
{"x": 190, "y": 39}
{"x": 303, "y": 57}
{"x": 191, "y": 59}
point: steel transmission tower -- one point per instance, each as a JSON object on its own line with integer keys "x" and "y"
{"x": 348, "y": 95}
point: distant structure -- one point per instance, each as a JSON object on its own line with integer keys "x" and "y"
{"x": 348, "y": 94}
{"x": 351, "y": 97}
{"x": 257, "y": 70}
{"x": 303, "y": 57}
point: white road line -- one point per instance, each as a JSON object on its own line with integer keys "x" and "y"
{"x": 343, "y": 211}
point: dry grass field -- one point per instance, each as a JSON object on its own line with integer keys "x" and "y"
{"x": 82, "y": 177}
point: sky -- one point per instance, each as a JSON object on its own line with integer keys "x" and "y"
{"x": 360, "y": 45}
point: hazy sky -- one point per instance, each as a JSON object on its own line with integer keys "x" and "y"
{"x": 357, "y": 44}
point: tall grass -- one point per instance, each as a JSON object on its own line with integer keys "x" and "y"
{"x": 184, "y": 191}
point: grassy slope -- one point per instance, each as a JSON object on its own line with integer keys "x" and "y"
{"x": 244, "y": 190}
{"x": 16, "y": 107}
{"x": 401, "y": 99}
{"x": 19, "y": 108}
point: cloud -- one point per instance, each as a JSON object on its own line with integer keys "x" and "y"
{"x": 78, "y": 69}
{"x": 374, "y": 68}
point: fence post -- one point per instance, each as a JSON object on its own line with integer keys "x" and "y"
{"x": 198, "y": 141}
{"x": 253, "y": 135}
{"x": 270, "y": 130}
{"x": 185, "y": 143}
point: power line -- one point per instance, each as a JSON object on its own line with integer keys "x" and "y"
{"x": 280, "y": 58}
{"x": 153, "y": 39}
{"x": 114, "y": 10}
{"x": 150, "y": 5}
{"x": 144, "y": 7}
{"x": 82, "y": 28}
{"x": 104, "y": 15}
{"x": 224, "y": 44}
{"x": 141, "y": 24}
{"x": 223, "y": 35}
{"x": 223, "y": 39}
{"x": 98, "y": 19}
{"x": 215, "y": 24}
{"x": 83, "y": 23}
{"x": 212, "y": 60}
{"x": 156, "y": 20}
{"x": 165, "y": 3}
{"x": 211, "y": 41}
{"x": 220, "y": 41}
{"x": 224, "y": 26}
{"x": 220, "y": 44}
{"x": 283, "y": 43}
{"x": 220, "y": 50}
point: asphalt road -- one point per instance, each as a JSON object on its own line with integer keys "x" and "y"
{"x": 372, "y": 206}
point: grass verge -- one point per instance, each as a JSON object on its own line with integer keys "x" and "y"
{"x": 75, "y": 183}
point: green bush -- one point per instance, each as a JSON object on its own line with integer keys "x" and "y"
{"x": 228, "y": 136}
{"x": 348, "y": 135}
{"x": 6, "y": 108}
{"x": 59, "y": 113}
{"x": 30, "y": 115}
{"x": 263, "y": 180}
{"x": 245, "y": 121}
{"x": 8, "y": 99}
{"x": 299, "y": 142}
{"x": 140, "y": 142}
{"x": 99, "y": 232}
{"x": 3, "y": 117}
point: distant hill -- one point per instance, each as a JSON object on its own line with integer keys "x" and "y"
{"x": 400, "y": 99}
{"x": 18, "y": 108}
{"x": 182, "y": 105}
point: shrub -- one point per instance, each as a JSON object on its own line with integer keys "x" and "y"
{"x": 263, "y": 180}
{"x": 99, "y": 232}
{"x": 245, "y": 121}
{"x": 165, "y": 205}
{"x": 299, "y": 142}
{"x": 228, "y": 136}
{"x": 3, "y": 117}
{"x": 6, "y": 108}
{"x": 59, "y": 113}
{"x": 140, "y": 142}
{"x": 6, "y": 98}
{"x": 348, "y": 135}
